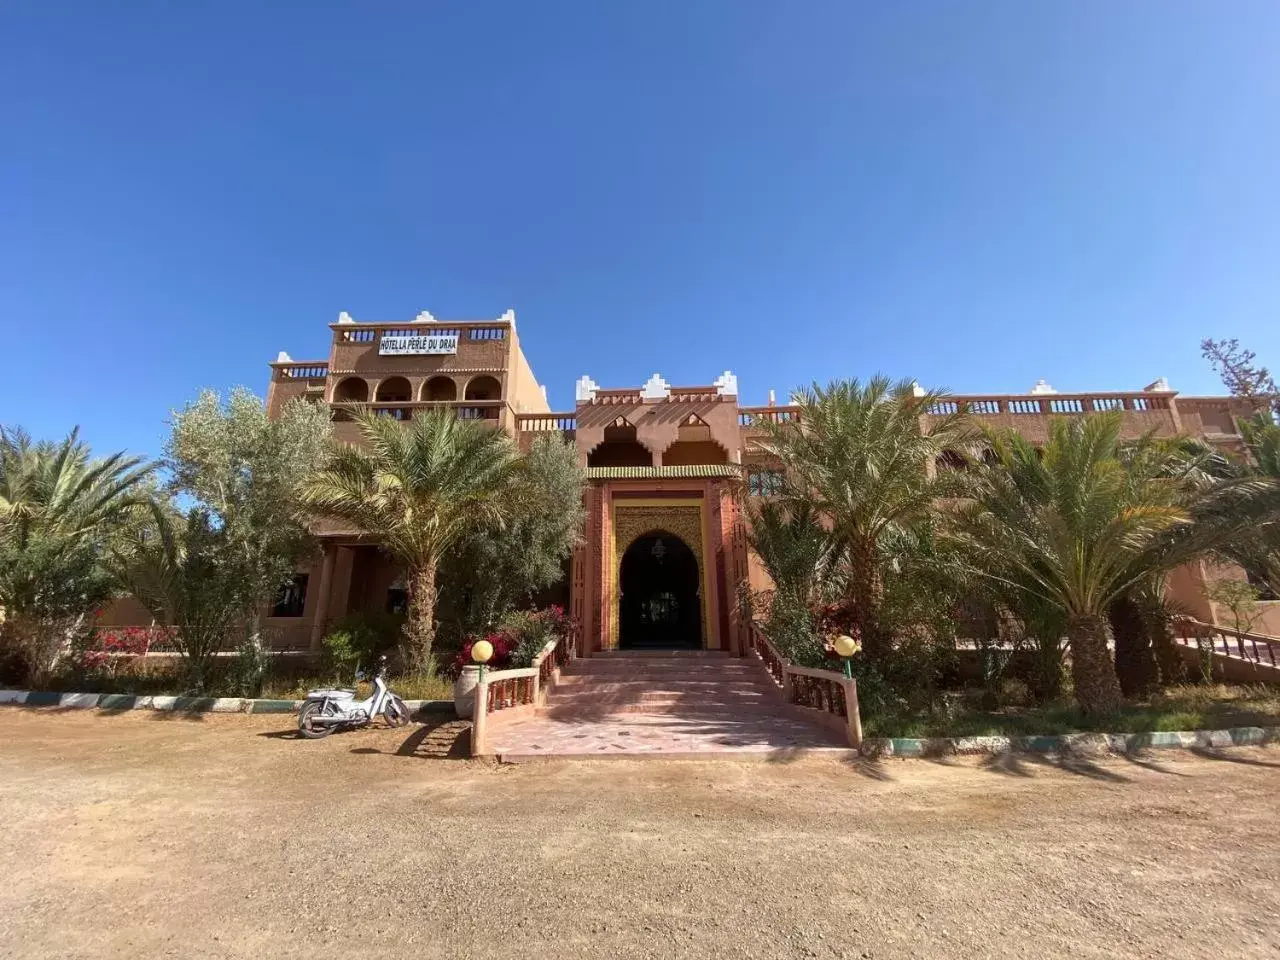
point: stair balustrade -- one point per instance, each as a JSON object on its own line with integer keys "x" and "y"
{"x": 1254, "y": 648}
{"x": 524, "y": 687}
{"x": 831, "y": 695}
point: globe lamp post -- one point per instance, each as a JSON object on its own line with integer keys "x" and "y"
{"x": 482, "y": 653}
{"x": 846, "y": 647}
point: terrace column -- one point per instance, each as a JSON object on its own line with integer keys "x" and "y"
{"x": 322, "y": 601}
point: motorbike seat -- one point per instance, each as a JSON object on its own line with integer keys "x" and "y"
{"x": 331, "y": 694}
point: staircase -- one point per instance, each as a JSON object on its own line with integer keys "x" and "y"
{"x": 661, "y": 703}
{"x": 706, "y": 684}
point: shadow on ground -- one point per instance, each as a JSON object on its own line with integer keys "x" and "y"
{"x": 439, "y": 738}
{"x": 1211, "y": 753}
{"x": 1024, "y": 765}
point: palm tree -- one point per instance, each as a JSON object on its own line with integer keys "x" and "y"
{"x": 418, "y": 489}
{"x": 797, "y": 552}
{"x": 1070, "y": 524}
{"x": 1258, "y": 548}
{"x": 58, "y": 508}
{"x": 863, "y": 456}
{"x": 1232, "y": 508}
{"x": 189, "y": 575}
{"x": 802, "y": 561}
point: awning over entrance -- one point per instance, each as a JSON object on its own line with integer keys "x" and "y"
{"x": 695, "y": 472}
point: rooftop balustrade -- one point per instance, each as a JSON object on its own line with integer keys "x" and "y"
{"x": 371, "y": 333}
{"x": 754, "y": 416}
{"x": 1142, "y": 411}
{"x": 1051, "y": 404}
{"x": 306, "y": 370}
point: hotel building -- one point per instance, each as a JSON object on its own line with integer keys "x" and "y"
{"x": 664, "y": 551}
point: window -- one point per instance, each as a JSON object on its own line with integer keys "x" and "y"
{"x": 397, "y": 600}
{"x": 1259, "y": 581}
{"x": 764, "y": 483}
{"x": 398, "y": 597}
{"x": 292, "y": 597}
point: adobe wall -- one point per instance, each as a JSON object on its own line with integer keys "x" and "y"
{"x": 523, "y": 390}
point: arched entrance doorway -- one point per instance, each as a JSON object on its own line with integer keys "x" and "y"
{"x": 659, "y": 606}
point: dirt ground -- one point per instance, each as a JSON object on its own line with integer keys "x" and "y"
{"x": 145, "y": 834}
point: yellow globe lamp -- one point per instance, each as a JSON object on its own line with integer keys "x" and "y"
{"x": 845, "y": 646}
{"x": 482, "y": 653}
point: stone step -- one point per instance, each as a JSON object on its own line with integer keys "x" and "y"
{"x": 660, "y": 654}
{"x": 680, "y": 679}
{"x": 658, "y": 694}
{"x": 704, "y": 676}
{"x": 641, "y": 667}
{"x": 723, "y": 713}
{"x": 675, "y": 683}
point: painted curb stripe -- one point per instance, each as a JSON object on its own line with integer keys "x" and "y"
{"x": 78, "y": 701}
{"x": 192, "y": 704}
{"x": 129, "y": 701}
{"x": 1095, "y": 742}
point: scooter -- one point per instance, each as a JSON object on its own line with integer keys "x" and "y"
{"x": 326, "y": 710}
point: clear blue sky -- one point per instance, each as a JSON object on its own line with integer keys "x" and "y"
{"x": 973, "y": 194}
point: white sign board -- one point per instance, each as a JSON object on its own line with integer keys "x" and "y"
{"x": 398, "y": 346}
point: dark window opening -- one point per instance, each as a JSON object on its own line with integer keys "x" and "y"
{"x": 291, "y": 598}
{"x": 397, "y": 600}
{"x": 1261, "y": 584}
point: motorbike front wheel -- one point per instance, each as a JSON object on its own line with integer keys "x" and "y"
{"x": 396, "y": 712}
{"x": 306, "y": 721}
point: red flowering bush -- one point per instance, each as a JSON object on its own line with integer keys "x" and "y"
{"x": 107, "y": 645}
{"x": 504, "y": 645}
{"x": 519, "y": 638}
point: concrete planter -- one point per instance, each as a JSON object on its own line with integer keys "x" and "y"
{"x": 464, "y": 691}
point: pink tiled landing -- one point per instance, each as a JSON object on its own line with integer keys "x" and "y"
{"x": 638, "y": 734}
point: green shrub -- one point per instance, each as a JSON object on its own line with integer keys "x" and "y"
{"x": 358, "y": 639}
{"x": 248, "y": 672}
{"x": 340, "y": 654}
{"x": 532, "y": 630}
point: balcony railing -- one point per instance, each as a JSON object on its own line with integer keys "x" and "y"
{"x": 370, "y": 333}
{"x": 1057, "y": 404}
{"x": 307, "y": 370}
{"x": 406, "y": 410}
{"x": 563, "y": 423}
{"x": 754, "y": 416}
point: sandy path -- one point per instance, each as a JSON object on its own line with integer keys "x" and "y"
{"x": 147, "y": 835}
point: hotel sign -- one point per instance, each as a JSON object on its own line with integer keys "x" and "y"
{"x": 418, "y": 344}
